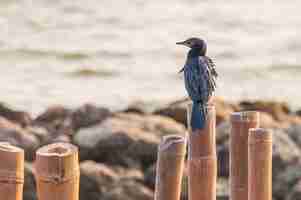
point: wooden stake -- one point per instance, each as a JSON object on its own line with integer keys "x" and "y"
{"x": 57, "y": 172}
{"x": 241, "y": 122}
{"x": 202, "y": 162}
{"x": 260, "y": 164}
{"x": 170, "y": 167}
{"x": 11, "y": 172}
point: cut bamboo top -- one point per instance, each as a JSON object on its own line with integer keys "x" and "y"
{"x": 12, "y": 163}
{"x": 260, "y": 135}
{"x": 173, "y": 145}
{"x": 245, "y": 116}
{"x": 57, "y": 162}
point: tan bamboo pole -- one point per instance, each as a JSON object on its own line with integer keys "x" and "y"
{"x": 260, "y": 164}
{"x": 57, "y": 172}
{"x": 11, "y": 172}
{"x": 241, "y": 122}
{"x": 202, "y": 162}
{"x": 170, "y": 165}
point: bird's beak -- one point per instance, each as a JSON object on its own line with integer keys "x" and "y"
{"x": 181, "y": 43}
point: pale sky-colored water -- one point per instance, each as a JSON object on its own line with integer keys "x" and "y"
{"x": 131, "y": 46}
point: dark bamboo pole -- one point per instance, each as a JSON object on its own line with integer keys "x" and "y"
{"x": 202, "y": 162}
{"x": 241, "y": 122}
{"x": 260, "y": 164}
{"x": 57, "y": 172}
{"x": 170, "y": 167}
{"x": 11, "y": 172}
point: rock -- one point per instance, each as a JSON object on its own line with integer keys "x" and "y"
{"x": 223, "y": 132}
{"x": 222, "y": 189}
{"x": 57, "y": 120}
{"x": 224, "y": 109}
{"x": 285, "y": 181}
{"x": 93, "y": 179}
{"x": 15, "y": 116}
{"x": 15, "y": 135}
{"x": 54, "y": 113}
{"x": 279, "y": 110}
{"x": 294, "y": 131}
{"x": 128, "y": 190}
{"x": 295, "y": 194}
{"x": 150, "y": 176}
{"x": 88, "y": 115}
{"x": 285, "y": 152}
{"x": 138, "y": 107}
{"x": 99, "y": 181}
{"x": 175, "y": 110}
{"x": 29, "y": 190}
{"x": 223, "y": 161}
{"x": 41, "y": 133}
{"x": 267, "y": 121}
{"x": 126, "y": 139}
{"x": 223, "y": 129}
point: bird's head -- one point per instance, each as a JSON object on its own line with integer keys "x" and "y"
{"x": 195, "y": 43}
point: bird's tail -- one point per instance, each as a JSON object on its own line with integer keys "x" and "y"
{"x": 198, "y": 116}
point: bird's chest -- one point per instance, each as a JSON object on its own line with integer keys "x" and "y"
{"x": 192, "y": 67}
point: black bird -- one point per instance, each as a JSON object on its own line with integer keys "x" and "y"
{"x": 200, "y": 80}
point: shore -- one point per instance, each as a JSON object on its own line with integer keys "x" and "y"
{"x": 118, "y": 149}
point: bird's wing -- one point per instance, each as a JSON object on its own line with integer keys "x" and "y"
{"x": 196, "y": 80}
{"x": 209, "y": 74}
{"x": 211, "y": 66}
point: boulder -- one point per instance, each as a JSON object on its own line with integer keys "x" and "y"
{"x": 224, "y": 109}
{"x": 279, "y": 110}
{"x": 222, "y": 189}
{"x": 177, "y": 110}
{"x": 294, "y": 132}
{"x": 15, "y": 116}
{"x": 285, "y": 152}
{"x": 129, "y": 190}
{"x": 150, "y": 176}
{"x": 126, "y": 139}
{"x": 99, "y": 181}
{"x": 29, "y": 190}
{"x": 14, "y": 134}
{"x": 88, "y": 115}
{"x": 57, "y": 120}
{"x": 285, "y": 181}
{"x": 295, "y": 194}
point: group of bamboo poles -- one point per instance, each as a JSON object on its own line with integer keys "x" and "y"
{"x": 56, "y": 172}
{"x": 250, "y": 160}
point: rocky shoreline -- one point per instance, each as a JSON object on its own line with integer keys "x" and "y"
{"x": 118, "y": 149}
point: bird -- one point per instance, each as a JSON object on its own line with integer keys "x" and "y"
{"x": 200, "y": 80}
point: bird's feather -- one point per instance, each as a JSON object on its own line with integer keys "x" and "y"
{"x": 200, "y": 84}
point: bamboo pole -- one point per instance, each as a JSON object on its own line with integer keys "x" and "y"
{"x": 202, "y": 162}
{"x": 260, "y": 164}
{"x": 170, "y": 167}
{"x": 241, "y": 122}
{"x": 57, "y": 172}
{"x": 11, "y": 172}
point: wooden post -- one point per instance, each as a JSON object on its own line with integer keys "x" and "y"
{"x": 241, "y": 122}
{"x": 202, "y": 162}
{"x": 170, "y": 167}
{"x": 11, "y": 172}
{"x": 260, "y": 164}
{"x": 57, "y": 172}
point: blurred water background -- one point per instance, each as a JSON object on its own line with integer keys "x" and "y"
{"x": 113, "y": 52}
